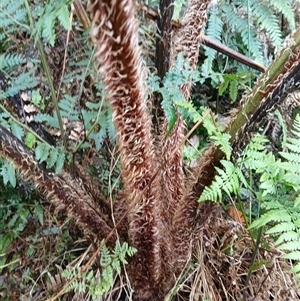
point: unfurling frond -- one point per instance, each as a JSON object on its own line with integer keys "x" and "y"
{"x": 114, "y": 32}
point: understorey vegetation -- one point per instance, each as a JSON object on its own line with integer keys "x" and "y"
{"x": 149, "y": 150}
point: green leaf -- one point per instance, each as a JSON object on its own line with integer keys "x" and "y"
{"x": 63, "y": 16}
{"x": 295, "y": 255}
{"x": 60, "y": 163}
{"x": 53, "y": 156}
{"x": 291, "y": 245}
{"x": 30, "y": 140}
{"x": 233, "y": 90}
{"x": 39, "y": 212}
{"x": 272, "y": 215}
{"x": 42, "y": 152}
{"x": 285, "y": 226}
{"x": 8, "y": 174}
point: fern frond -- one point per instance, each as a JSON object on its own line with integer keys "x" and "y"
{"x": 214, "y": 30}
{"x": 288, "y": 235}
{"x": 8, "y": 173}
{"x": 62, "y": 191}
{"x": 25, "y": 81}
{"x": 49, "y": 14}
{"x": 239, "y": 24}
{"x": 287, "y": 227}
{"x": 268, "y": 21}
{"x": 285, "y": 7}
{"x": 12, "y": 13}
{"x": 292, "y": 157}
{"x": 278, "y": 215}
{"x": 226, "y": 180}
{"x": 10, "y": 60}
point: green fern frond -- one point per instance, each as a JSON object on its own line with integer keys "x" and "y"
{"x": 292, "y": 158}
{"x": 7, "y": 171}
{"x": 268, "y": 21}
{"x": 248, "y": 36}
{"x": 288, "y": 235}
{"x": 25, "y": 81}
{"x": 295, "y": 255}
{"x": 214, "y": 30}
{"x": 174, "y": 79}
{"x": 49, "y": 120}
{"x": 53, "y": 156}
{"x": 97, "y": 285}
{"x": 223, "y": 142}
{"x": 10, "y": 60}
{"x": 52, "y": 12}
{"x": 226, "y": 180}
{"x": 296, "y": 269}
{"x": 285, "y": 7}
{"x": 277, "y": 215}
{"x": 17, "y": 130}
{"x": 290, "y": 245}
{"x": 286, "y": 227}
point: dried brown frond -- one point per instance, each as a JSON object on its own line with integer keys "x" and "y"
{"x": 227, "y": 257}
{"x": 61, "y": 190}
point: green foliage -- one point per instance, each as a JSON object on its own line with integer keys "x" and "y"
{"x": 24, "y": 81}
{"x": 8, "y": 174}
{"x": 227, "y": 180}
{"x": 180, "y": 74}
{"x": 86, "y": 125}
{"x": 213, "y": 128}
{"x": 15, "y": 213}
{"x": 10, "y": 60}
{"x": 15, "y": 14}
{"x": 48, "y": 15}
{"x": 97, "y": 285}
{"x": 249, "y": 27}
{"x": 214, "y": 30}
{"x": 177, "y": 8}
{"x": 12, "y": 14}
{"x": 53, "y": 156}
{"x": 278, "y": 190}
{"x": 235, "y": 82}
